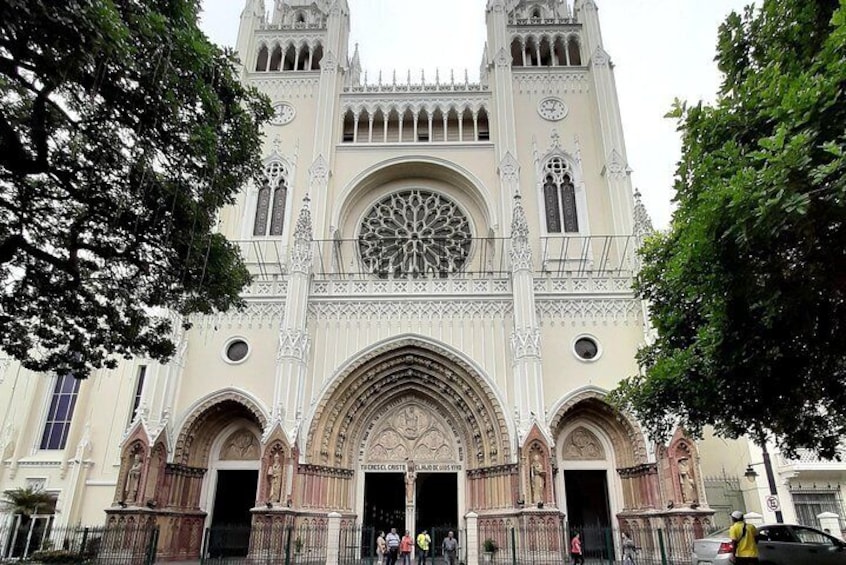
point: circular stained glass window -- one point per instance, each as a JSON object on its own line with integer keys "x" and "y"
{"x": 414, "y": 233}
{"x": 586, "y": 348}
{"x": 237, "y": 350}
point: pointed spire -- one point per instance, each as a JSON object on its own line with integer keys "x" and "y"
{"x": 642, "y": 222}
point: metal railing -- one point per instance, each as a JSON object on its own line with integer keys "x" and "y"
{"x": 441, "y": 258}
{"x": 37, "y": 539}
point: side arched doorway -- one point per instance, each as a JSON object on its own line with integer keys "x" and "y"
{"x": 409, "y": 436}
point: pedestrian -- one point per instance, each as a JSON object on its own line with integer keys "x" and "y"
{"x": 381, "y": 548}
{"x": 406, "y": 544}
{"x": 393, "y": 541}
{"x": 744, "y": 543}
{"x": 576, "y": 550}
{"x": 424, "y": 540}
{"x": 450, "y": 548}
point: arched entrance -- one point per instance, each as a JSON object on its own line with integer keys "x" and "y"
{"x": 603, "y": 455}
{"x": 421, "y": 422}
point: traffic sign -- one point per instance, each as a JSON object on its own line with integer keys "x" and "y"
{"x": 773, "y": 505}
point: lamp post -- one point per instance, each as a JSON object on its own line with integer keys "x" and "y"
{"x": 768, "y": 469}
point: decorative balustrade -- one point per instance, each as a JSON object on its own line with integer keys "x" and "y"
{"x": 809, "y": 457}
{"x": 409, "y": 85}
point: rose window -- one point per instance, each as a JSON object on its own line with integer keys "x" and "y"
{"x": 416, "y": 233}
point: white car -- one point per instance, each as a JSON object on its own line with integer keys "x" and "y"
{"x": 778, "y": 544}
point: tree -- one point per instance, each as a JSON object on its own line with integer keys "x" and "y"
{"x": 28, "y": 501}
{"x": 123, "y": 131}
{"x": 747, "y": 288}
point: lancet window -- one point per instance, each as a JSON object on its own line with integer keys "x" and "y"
{"x": 559, "y": 197}
{"x": 277, "y": 57}
{"x": 271, "y": 201}
{"x": 438, "y": 124}
{"x": 546, "y": 51}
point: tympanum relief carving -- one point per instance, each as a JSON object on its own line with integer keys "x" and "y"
{"x": 242, "y": 445}
{"x": 411, "y": 432}
{"x": 583, "y": 445}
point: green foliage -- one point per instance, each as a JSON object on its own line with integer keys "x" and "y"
{"x": 123, "y": 131}
{"x": 490, "y": 546}
{"x": 28, "y": 501}
{"x": 747, "y": 290}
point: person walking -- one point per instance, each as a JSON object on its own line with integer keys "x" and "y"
{"x": 393, "y": 541}
{"x": 406, "y": 544}
{"x": 424, "y": 541}
{"x": 744, "y": 543}
{"x": 381, "y": 548}
{"x": 576, "y": 550}
{"x": 450, "y": 548}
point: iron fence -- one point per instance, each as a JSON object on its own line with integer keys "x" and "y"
{"x": 39, "y": 540}
{"x": 267, "y": 544}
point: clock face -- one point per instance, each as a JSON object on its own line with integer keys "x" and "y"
{"x": 283, "y": 113}
{"x": 552, "y": 109}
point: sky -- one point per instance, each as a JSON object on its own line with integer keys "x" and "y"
{"x": 661, "y": 50}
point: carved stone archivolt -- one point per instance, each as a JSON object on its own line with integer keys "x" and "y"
{"x": 208, "y": 420}
{"x": 583, "y": 445}
{"x": 414, "y": 432}
{"x": 623, "y": 432}
{"x": 408, "y": 371}
{"x": 241, "y": 445}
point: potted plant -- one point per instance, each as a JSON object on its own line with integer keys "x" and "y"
{"x": 489, "y": 547}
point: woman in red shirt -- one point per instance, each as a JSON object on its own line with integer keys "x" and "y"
{"x": 406, "y": 543}
{"x": 576, "y": 550}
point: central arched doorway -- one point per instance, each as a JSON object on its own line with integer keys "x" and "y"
{"x": 414, "y": 424}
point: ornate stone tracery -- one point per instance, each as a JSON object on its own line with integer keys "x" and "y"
{"x": 414, "y": 232}
{"x": 583, "y": 445}
{"x": 413, "y": 432}
{"x": 407, "y": 372}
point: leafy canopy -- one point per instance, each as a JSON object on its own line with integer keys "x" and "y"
{"x": 747, "y": 290}
{"x": 28, "y": 501}
{"x": 123, "y": 131}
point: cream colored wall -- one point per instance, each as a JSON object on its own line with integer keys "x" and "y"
{"x": 563, "y": 371}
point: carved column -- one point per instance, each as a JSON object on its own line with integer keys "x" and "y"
{"x": 293, "y": 337}
{"x": 525, "y": 339}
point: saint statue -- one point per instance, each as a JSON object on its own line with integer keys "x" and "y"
{"x": 133, "y": 479}
{"x": 537, "y": 474}
{"x": 410, "y": 477}
{"x": 688, "y": 487}
{"x": 274, "y": 475}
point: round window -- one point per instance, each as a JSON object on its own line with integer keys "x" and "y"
{"x": 237, "y": 350}
{"x": 586, "y": 348}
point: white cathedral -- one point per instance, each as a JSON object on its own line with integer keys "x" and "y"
{"x": 441, "y": 302}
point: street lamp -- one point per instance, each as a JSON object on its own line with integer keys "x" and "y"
{"x": 751, "y": 474}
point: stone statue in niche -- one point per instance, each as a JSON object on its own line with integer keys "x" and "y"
{"x": 688, "y": 486}
{"x": 537, "y": 475}
{"x": 410, "y": 478}
{"x": 274, "y": 476}
{"x": 133, "y": 479}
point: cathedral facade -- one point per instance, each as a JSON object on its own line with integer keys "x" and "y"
{"x": 441, "y": 303}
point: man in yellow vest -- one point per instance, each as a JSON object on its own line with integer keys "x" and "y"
{"x": 423, "y": 543}
{"x": 743, "y": 540}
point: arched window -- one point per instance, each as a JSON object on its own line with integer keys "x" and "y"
{"x": 545, "y": 52}
{"x": 317, "y": 57}
{"x": 290, "y": 58}
{"x": 574, "y": 52}
{"x": 516, "y": 52}
{"x": 261, "y": 61}
{"x": 276, "y": 58}
{"x": 559, "y": 52}
{"x": 559, "y": 197}
{"x": 272, "y": 198}
{"x": 303, "y": 62}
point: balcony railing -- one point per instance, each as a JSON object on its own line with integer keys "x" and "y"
{"x": 808, "y": 457}
{"x": 440, "y": 258}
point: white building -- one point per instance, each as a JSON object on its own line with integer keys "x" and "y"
{"x": 442, "y": 301}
